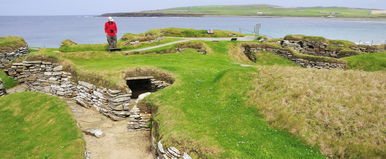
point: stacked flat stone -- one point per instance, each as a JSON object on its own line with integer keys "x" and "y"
{"x": 2, "y": 88}
{"x": 138, "y": 121}
{"x": 170, "y": 153}
{"x": 157, "y": 84}
{"x": 43, "y": 77}
{"x": 50, "y": 78}
{"x": 6, "y": 57}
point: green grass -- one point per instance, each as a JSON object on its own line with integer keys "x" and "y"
{"x": 10, "y": 43}
{"x": 269, "y": 59}
{"x": 103, "y": 47}
{"x": 83, "y": 47}
{"x": 184, "y": 32}
{"x": 267, "y": 10}
{"x": 145, "y": 45}
{"x": 367, "y": 62}
{"x": 307, "y": 38}
{"x": 207, "y": 108}
{"x": 8, "y": 82}
{"x": 35, "y": 125}
{"x": 218, "y": 109}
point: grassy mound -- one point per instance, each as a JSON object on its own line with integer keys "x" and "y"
{"x": 343, "y": 48}
{"x": 294, "y": 54}
{"x": 367, "y": 62}
{"x": 307, "y": 38}
{"x": 326, "y": 108}
{"x": 11, "y": 43}
{"x": 8, "y": 82}
{"x": 269, "y": 59}
{"x": 36, "y": 125}
{"x": 147, "y": 36}
{"x": 182, "y": 32}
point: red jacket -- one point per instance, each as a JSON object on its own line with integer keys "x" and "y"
{"x": 111, "y": 28}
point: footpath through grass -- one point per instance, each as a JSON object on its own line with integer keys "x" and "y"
{"x": 35, "y": 125}
{"x": 206, "y": 108}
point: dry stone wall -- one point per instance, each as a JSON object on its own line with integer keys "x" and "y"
{"x": 2, "y": 88}
{"x": 319, "y": 48}
{"x": 6, "y": 57}
{"x": 50, "y": 78}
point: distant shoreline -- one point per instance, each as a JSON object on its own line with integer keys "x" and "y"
{"x": 242, "y": 16}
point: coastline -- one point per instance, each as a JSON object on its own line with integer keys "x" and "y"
{"x": 360, "y": 19}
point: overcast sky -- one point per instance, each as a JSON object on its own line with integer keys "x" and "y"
{"x": 95, "y": 7}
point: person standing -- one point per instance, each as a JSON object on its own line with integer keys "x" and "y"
{"x": 111, "y": 33}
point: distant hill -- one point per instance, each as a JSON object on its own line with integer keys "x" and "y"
{"x": 257, "y": 10}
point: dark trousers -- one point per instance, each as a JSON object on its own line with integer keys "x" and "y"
{"x": 112, "y": 40}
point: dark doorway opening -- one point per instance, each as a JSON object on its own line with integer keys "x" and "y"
{"x": 139, "y": 85}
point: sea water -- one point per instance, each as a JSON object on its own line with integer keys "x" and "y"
{"x": 49, "y": 31}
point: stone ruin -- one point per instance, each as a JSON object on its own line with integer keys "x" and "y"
{"x": 7, "y": 57}
{"x": 321, "y": 48}
{"x": 250, "y": 50}
{"x": 50, "y": 78}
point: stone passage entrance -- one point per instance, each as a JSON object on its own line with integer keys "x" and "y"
{"x": 139, "y": 85}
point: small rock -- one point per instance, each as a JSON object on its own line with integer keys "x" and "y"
{"x": 114, "y": 91}
{"x": 94, "y": 132}
{"x": 186, "y": 156}
{"x": 85, "y": 84}
{"x": 58, "y": 68}
{"x": 160, "y": 147}
{"x": 87, "y": 155}
{"x": 47, "y": 73}
{"x": 82, "y": 103}
{"x": 142, "y": 96}
{"x": 174, "y": 151}
{"x": 118, "y": 108}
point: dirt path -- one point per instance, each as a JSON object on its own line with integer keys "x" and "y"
{"x": 117, "y": 142}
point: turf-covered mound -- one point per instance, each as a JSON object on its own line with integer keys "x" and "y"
{"x": 367, "y": 62}
{"x": 35, "y": 125}
{"x": 11, "y": 43}
{"x": 177, "y": 32}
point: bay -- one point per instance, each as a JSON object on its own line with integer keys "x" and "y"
{"x": 49, "y": 31}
